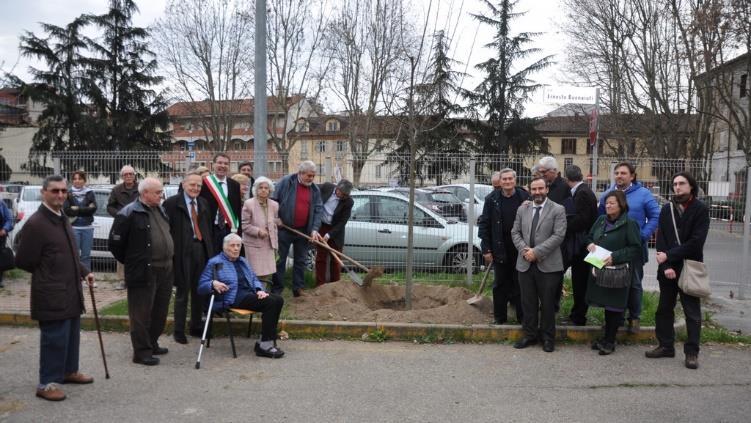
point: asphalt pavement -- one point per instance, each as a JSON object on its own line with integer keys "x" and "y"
{"x": 350, "y": 381}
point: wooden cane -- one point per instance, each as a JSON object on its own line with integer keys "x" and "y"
{"x": 99, "y": 331}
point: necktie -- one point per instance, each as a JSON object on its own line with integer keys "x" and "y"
{"x": 194, "y": 218}
{"x": 535, "y": 219}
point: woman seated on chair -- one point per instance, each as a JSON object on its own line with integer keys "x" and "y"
{"x": 230, "y": 277}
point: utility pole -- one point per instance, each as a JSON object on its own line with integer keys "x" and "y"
{"x": 259, "y": 109}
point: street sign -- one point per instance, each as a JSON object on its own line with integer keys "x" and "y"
{"x": 569, "y": 95}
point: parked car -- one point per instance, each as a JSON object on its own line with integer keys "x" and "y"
{"x": 462, "y": 192}
{"x": 442, "y": 202}
{"x": 377, "y": 235}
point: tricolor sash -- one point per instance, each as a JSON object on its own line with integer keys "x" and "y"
{"x": 222, "y": 201}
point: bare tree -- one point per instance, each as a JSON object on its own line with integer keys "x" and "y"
{"x": 740, "y": 107}
{"x": 366, "y": 43}
{"x": 295, "y": 31}
{"x": 206, "y": 48}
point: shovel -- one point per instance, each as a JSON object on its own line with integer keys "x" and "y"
{"x": 371, "y": 273}
{"x": 478, "y": 297}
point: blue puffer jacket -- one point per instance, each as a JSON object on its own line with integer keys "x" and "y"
{"x": 642, "y": 208}
{"x": 6, "y": 218}
{"x": 225, "y": 273}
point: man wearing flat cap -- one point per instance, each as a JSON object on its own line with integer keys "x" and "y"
{"x": 337, "y": 207}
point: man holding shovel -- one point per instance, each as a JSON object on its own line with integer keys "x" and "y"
{"x": 300, "y": 208}
{"x": 47, "y": 249}
{"x": 337, "y": 208}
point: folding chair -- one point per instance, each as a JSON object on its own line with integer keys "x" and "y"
{"x": 206, "y": 336}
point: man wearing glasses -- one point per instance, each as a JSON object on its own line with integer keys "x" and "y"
{"x": 558, "y": 189}
{"x": 140, "y": 239}
{"x": 47, "y": 249}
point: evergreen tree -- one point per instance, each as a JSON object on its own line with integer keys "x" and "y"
{"x": 123, "y": 71}
{"x": 500, "y": 97}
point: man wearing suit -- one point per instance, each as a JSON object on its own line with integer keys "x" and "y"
{"x": 224, "y": 200}
{"x": 190, "y": 226}
{"x": 337, "y": 207}
{"x": 574, "y": 247}
{"x": 539, "y": 230}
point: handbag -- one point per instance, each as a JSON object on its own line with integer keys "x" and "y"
{"x": 694, "y": 279}
{"x": 7, "y": 259}
{"x": 618, "y": 276}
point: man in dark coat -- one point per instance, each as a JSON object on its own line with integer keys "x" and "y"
{"x": 558, "y": 190}
{"x": 140, "y": 238}
{"x": 6, "y": 225}
{"x": 578, "y": 223}
{"x": 47, "y": 249}
{"x": 494, "y": 229}
{"x": 190, "y": 227}
{"x": 121, "y": 195}
{"x": 300, "y": 208}
{"x": 692, "y": 222}
{"x": 222, "y": 195}
{"x": 337, "y": 208}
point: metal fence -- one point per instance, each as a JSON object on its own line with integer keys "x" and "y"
{"x": 446, "y": 246}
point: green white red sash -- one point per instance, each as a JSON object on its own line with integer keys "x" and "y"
{"x": 222, "y": 201}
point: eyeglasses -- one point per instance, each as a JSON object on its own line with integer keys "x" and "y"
{"x": 58, "y": 190}
{"x": 128, "y": 174}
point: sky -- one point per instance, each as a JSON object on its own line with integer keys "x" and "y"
{"x": 541, "y": 16}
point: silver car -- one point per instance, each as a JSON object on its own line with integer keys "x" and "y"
{"x": 376, "y": 234}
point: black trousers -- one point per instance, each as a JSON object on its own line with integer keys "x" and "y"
{"x": 219, "y": 232}
{"x": 579, "y": 275}
{"x": 665, "y": 316}
{"x": 506, "y": 290}
{"x": 270, "y": 306}
{"x": 538, "y": 292}
{"x": 188, "y": 288}
{"x": 148, "y": 306}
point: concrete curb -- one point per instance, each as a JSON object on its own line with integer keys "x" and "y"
{"x": 421, "y": 332}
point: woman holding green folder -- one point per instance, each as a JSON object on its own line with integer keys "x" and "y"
{"x": 616, "y": 232}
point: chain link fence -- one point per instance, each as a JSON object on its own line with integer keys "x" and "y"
{"x": 449, "y": 197}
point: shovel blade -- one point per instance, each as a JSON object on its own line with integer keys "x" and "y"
{"x": 355, "y": 277}
{"x": 474, "y": 300}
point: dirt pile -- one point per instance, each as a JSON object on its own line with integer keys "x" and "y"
{"x": 343, "y": 301}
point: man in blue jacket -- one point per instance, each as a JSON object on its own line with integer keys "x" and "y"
{"x": 6, "y": 225}
{"x": 300, "y": 208}
{"x": 643, "y": 208}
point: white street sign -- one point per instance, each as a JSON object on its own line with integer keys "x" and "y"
{"x": 568, "y": 94}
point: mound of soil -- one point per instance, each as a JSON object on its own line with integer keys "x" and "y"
{"x": 344, "y": 301}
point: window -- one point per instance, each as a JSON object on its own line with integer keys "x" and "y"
{"x": 321, "y": 147}
{"x": 361, "y": 209}
{"x": 341, "y": 146}
{"x": 303, "y": 150}
{"x": 378, "y": 171}
{"x": 743, "y": 84}
{"x": 392, "y": 210}
{"x": 631, "y": 148}
{"x": 568, "y": 161}
{"x": 302, "y": 126}
{"x": 332, "y": 125}
{"x": 568, "y": 146}
{"x": 599, "y": 147}
{"x": 321, "y": 170}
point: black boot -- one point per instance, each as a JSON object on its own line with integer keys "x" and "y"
{"x": 612, "y": 321}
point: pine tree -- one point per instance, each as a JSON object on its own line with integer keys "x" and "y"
{"x": 123, "y": 72}
{"x": 500, "y": 97}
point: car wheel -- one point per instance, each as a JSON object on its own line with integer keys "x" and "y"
{"x": 456, "y": 259}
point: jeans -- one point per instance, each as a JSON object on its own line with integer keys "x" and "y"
{"x": 58, "y": 349}
{"x": 301, "y": 245}
{"x": 84, "y": 241}
{"x": 635, "y": 294}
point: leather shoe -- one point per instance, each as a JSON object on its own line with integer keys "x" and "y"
{"x": 159, "y": 350}
{"x": 272, "y": 352}
{"x": 297, "y": 292}
{"x": 196, "y": 333}
{"x": 692, "y": 361}
{"x": 660, "y": 352}
{"x": 548, "y": 345}
{"x": 500, "y": 322}
{"x": 51, "y": 392}
{"x": 180, "y": 337}
{"x": 146, "y": 361}
{"x": 78, "y": 378}
{"x": 524, "y": 343}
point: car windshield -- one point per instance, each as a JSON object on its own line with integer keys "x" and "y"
{"x": 13, "y": 189}
{"x": 444, "y": 197}
{"x": 32, "y": 194}
{"x": 483, "y": 191}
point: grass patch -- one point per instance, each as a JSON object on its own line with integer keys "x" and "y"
{"x": 16, "y": 274}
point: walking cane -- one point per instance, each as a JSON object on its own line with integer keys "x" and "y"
{"x": 99, "y": 331}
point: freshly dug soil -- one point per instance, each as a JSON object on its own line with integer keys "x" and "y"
{"x": 345, "y": 301}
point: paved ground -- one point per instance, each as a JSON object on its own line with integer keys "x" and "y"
{"x": 337, "y": 381}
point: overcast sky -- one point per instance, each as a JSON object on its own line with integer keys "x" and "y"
{"x": 542, "y": 16}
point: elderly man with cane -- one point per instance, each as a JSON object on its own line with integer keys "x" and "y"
{"x": 47, "y": 249}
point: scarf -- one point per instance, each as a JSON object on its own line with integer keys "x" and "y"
{"x": 79, "y": 193}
